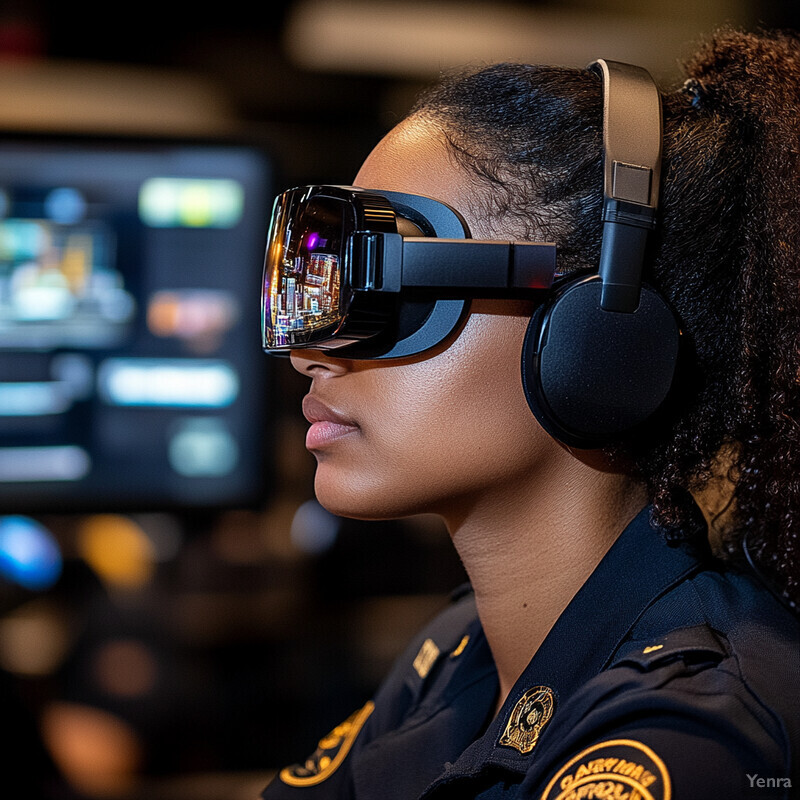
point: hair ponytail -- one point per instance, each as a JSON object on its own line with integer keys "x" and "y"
{"x": 731, "y": 233}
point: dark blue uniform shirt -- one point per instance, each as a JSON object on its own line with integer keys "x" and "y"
{"x": 667, "y": 676}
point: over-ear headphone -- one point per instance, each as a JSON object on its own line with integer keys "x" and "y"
{"x": 600, "y": 356}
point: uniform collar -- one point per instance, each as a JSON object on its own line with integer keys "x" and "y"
{"x": 639, "y": 568}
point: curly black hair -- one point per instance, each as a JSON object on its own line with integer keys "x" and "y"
{"x": 726, "y": 255}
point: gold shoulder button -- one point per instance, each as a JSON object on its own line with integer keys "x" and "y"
{"x": 697, "y": 643}
{"x": 461, "y": 647}
{"x": 614, "y": 768}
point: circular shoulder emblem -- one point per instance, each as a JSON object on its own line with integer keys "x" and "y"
{"x": 528, "y": 719}
{"x": 330, "y": 752}
{"x": 618, "y": 768}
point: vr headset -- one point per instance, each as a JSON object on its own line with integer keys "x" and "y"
{"x": 376, "y": 275}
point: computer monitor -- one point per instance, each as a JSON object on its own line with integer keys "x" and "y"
{"x": 131, "y": 375}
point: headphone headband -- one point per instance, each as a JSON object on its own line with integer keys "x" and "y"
{"x": 631, "y": 133}
{"x": 631, "y": 178}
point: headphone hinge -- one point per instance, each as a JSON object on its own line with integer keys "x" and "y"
{"x": 627, "y": 213}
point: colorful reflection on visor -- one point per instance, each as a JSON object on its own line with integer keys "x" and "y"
{"x": 303, "y": 283}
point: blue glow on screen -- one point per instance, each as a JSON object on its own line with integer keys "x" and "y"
{"x": 29, "y": 555}
{"x": 186, "y": 383}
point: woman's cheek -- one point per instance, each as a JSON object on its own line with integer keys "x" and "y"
{"x": 429, "y": 431}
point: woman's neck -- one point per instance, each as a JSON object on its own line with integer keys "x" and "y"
{"x": 527, "y": 549}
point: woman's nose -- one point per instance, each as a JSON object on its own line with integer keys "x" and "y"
{"x": 317, "y": 363}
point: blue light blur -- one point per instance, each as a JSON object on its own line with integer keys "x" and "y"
{"x": 65, "y": 205}
{"x": 29, "y": 555}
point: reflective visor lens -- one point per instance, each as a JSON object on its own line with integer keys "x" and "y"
{"x": 303, "y": 297}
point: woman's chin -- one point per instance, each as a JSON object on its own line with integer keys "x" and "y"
{"x": 360, "y": 499}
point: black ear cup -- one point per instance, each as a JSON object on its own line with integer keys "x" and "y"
{"x": 592, "y": 376}
{"x": 600, "y": 356}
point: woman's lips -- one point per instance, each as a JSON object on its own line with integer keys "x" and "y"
{"x": 327, "y": 425}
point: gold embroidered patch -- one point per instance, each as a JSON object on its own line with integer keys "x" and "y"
{"x": 528, "y": 719}
{"x": 330, "y": 752}
{"x": 623, "y": 769}
{"x": 426, "y": 657}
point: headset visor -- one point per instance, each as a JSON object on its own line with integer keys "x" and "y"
{"x": 337, "y": 267}
{"x": 303, "y": 299}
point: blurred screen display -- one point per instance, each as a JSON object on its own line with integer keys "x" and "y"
{"x": 131, "y": 373}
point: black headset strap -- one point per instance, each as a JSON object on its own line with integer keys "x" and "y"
{"x": 632, "y": 134}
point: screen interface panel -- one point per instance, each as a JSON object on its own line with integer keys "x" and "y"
{"x": 131, "y": 373}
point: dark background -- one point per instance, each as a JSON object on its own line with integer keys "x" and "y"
{"x": 253, "y": 631}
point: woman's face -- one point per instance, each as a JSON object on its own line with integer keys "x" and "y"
{"x": 434, "y": 433}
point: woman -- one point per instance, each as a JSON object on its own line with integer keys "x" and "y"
{"x": 602, "y": 649}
